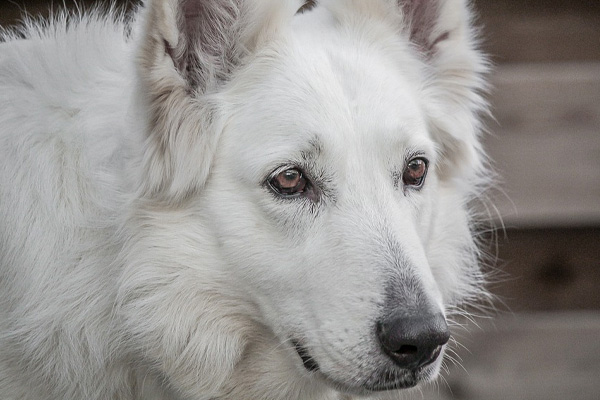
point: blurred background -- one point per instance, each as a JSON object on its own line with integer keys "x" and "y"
{"x": 543, "y": 339}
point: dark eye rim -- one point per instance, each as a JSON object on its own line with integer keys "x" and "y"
{"x": 277, "y": 192}
{"x": 421, "y": 182}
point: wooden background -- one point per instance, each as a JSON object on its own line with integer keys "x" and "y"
{"x": 544, "y": 340}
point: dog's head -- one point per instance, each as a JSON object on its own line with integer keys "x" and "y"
{"x": 334, "y": 148}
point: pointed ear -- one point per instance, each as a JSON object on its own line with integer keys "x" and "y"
{"x": 187, "y": 50}
{"x": 194, "y": 41}
{"x": 442, "y": 33}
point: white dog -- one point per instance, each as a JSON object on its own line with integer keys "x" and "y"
{"x": 237, "y": 199}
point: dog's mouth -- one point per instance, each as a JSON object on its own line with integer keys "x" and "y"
{"x": 391, "y": 379}
{"x": 309, "y": 363}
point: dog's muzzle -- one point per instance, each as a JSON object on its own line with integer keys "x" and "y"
{"x": 410, "y": 344}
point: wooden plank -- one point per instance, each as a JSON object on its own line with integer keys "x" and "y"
{"x": 546, "y": 143}
{"x": 549, "y": 269}
{"x": 540, "y": 30}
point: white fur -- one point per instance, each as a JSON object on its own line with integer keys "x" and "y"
{"x": 141, "y": 254}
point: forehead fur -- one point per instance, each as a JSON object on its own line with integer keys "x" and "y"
{"x": 331, "y": 62}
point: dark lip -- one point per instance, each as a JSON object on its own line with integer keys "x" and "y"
{"x": 409, "y": 379}
{"x": 405, "y": 383}
{"x": 400, "y": 383}
{"x": 433, "y": 357}
{"x": 307, "y": 360}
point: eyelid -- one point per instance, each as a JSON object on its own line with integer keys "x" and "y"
{"x": 411, "y": 155}
{"x": 282, "y": 168}
{"x": 292, "y": 165}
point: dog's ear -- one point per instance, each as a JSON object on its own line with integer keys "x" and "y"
{"x": 441, "y": 32}
{"x": 187, "y": 50}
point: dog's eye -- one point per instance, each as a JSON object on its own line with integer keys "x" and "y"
{"x": 414, "y": 173}
{"x": 289, "y": 182}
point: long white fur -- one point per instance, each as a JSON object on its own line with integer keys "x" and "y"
{"x": 141, "y": 256}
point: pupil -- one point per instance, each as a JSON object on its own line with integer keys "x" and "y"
{"x": 290, "y": 175}
{"x": 415, "y": 165}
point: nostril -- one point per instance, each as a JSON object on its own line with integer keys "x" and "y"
{"x": 407, "y": 350}
{"x": 413, "y": 341}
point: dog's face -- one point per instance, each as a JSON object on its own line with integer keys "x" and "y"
{"x": 336, "y": 190}
{"x": 322, "y": 192}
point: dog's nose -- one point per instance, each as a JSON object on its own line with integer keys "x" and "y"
{"x": 413, "y": 341}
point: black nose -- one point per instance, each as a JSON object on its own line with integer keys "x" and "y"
{"x": 413, "y": 341}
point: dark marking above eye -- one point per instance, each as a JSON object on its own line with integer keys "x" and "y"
{"x": 307, "y": 6}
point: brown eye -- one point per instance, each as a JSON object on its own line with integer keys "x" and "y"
{"x": 289, "y": 182}
{"x": 414, "y": 173}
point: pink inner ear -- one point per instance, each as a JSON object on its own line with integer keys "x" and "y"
{"x": 191, "y": 9}
{"x": 205, "y": 52}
